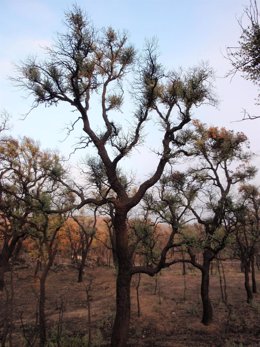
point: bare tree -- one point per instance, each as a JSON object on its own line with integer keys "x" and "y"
{"x": 205, "y": 193}
{"x": 247, "y": 234}
{"x": 87, "y": 230}
{"x": 27, "y": 174}
{"x": 223, "y": 163}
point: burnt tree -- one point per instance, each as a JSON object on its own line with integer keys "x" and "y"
{"x": 86, "y": 65}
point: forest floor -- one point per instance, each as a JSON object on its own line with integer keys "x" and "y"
{"x": 170, "y": 309}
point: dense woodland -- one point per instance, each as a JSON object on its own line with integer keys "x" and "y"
{"x": 197, "y": 212}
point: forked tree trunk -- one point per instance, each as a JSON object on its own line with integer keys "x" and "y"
{"x": 123, "y": 283}
{"x": 207, "y": 316}
{"x": 249, "y": 292}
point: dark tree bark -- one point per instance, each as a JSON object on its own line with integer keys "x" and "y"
{"x": 122, "y": 319}
{"x": 123, "y": 284}
{"x": 207, "y": 316}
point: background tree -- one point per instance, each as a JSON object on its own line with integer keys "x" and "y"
{"x": 46, "y": 245}
{"x": 247, "y": 234}
{"x": 245, "y": 58}
{"x": 221, "y": 163}
{"x": 86, "y": 65}
{"x": 85, "y": 229}
{"x": 27, "y": 174}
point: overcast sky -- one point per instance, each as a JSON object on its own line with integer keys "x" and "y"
{"x": 188, "y": 32}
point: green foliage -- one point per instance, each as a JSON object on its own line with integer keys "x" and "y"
{"x": 144, "y": 241}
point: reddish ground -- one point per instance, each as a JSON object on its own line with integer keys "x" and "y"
{"x": 170, "y": 314}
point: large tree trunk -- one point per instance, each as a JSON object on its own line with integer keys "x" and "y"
{"x": 207, "y": 316}
{"x": 123, "y": 304}
{"x": 249, "y": 292}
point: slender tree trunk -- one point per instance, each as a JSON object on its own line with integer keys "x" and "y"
{"x": 81, "y": 267}
{"x": 42, "y": 318}
{"x": 3, "y": 269}
{"x": 80, "y": 273}
{"x": 123, "y": 302}
{"x": 88, "y": 289}
{"x": 184, "y": 272}
{"x": 138, "y": 296}
{"x": 258, "y": 261}
{"x": 254, "y": 288}
{"x": 207, "y": 307}
{"x": 43, "y": 278}
{"x": 2, "y": 277}
{"x": 18, "y": 249}
{"x": 249, "y": 292}
{"x": 37, "y": 267}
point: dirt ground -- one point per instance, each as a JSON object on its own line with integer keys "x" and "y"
{"x": 170, "y": 309}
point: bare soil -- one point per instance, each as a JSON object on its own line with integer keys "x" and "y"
{"x": 170, "y": 309}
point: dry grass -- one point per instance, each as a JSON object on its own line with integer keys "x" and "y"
{"x": 169, "y": 317}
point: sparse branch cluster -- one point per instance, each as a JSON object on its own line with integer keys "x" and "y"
{"x": 245, "y": 57}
